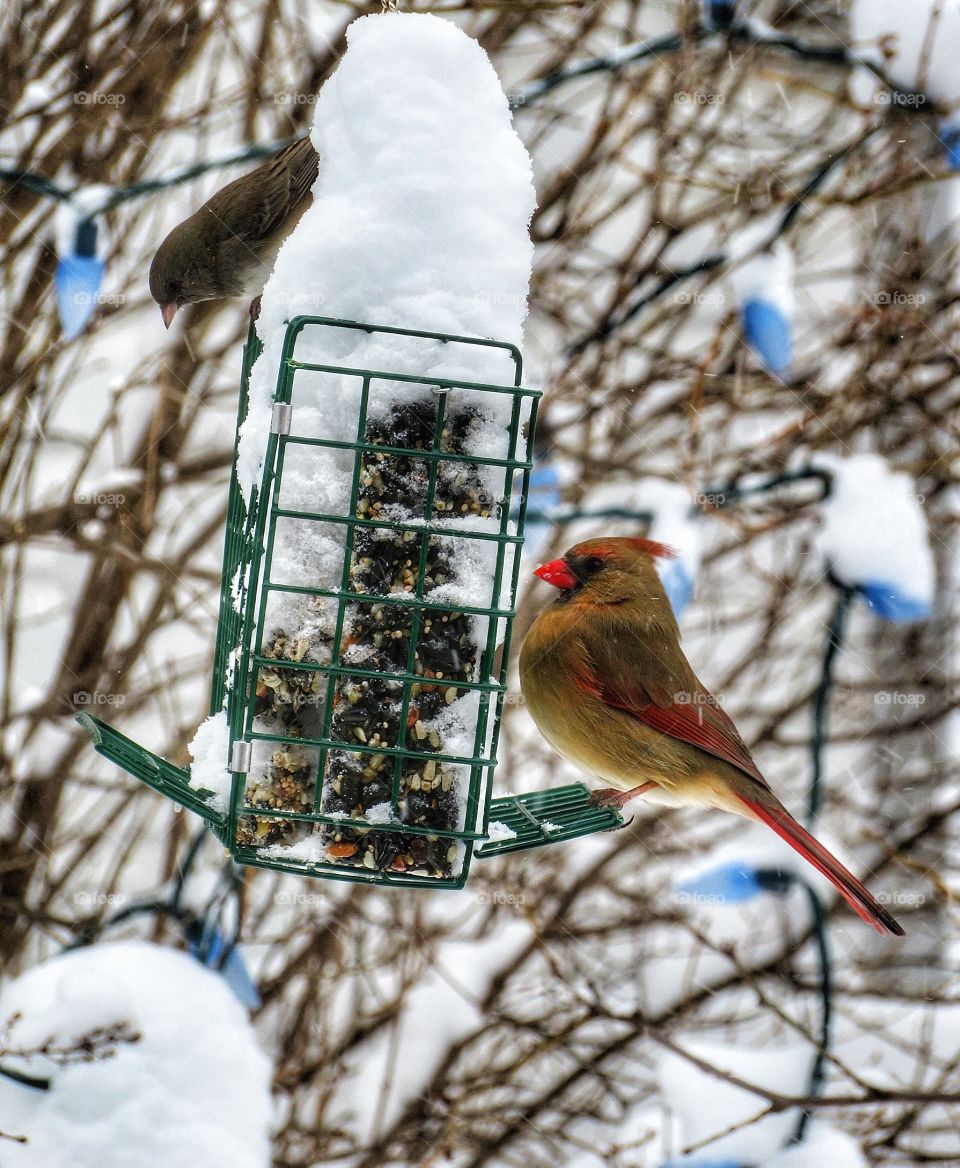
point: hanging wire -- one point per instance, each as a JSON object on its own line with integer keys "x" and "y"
{"x": 23, "y": 1080}
{"x": 212, "y": 934}
{"x": 36, "y": 183}
{"x": 607, "y": 64}
{"x": 574, "y": 515}
{"x": 738, "y": 32}
{"x": 209, "y": 942}
{"x": 821, "y": 700}
{"x": 40, "y": 185}
{"x": 818, "y": 1073}
{"x": 720, "y": 497}
{"x": 149, "y": 186}
{"x": 779, "y": 880}
{"x": 88, "y": 931}
{"x": 734, "y": 490}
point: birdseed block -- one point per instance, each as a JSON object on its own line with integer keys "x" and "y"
{"x": 389, "y": 550}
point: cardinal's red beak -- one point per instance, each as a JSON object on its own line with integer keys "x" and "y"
{"x": 557, "y": 573}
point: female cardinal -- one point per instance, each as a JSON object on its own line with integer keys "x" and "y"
{"x": 607, "y": 683}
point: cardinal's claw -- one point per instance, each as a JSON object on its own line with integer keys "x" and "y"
{"x": 609, "y": 797}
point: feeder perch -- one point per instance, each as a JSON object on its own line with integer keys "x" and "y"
{"x": 363, "y": 699}
{"x": 545, "y": 817}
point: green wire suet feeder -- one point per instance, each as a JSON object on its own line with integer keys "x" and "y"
{"x": 364, "y": 709}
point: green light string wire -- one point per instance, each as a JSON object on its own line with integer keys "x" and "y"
{"x": 738, "y": 33}
{"x": 779, "y": 880}
{"x": 38, "y": 184}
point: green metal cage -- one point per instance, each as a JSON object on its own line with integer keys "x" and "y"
{"x": 340, "y": 736}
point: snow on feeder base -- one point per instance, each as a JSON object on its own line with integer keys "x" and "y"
{"x": 356, "y": 693}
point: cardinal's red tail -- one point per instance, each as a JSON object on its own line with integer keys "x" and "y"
{"x": 849, "y": 887}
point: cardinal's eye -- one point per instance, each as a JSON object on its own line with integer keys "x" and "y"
{"x": 593, "y": 563}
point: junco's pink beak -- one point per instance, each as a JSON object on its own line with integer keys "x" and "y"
{"x": 168, "y": 312}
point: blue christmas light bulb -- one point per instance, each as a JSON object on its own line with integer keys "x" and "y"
{"x": 767, "y": 331}
{"x": 731, "y": 883}
{"x": 677, "y": 583}
{"x": 77, "y": 281}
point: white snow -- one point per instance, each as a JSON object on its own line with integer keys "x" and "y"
{"x": 309, "y": 850}
{"x": 766, "y": 276}
{"x": 36, "y": 96}
{"x": 674, "y": 522}
{"x": 380, "y": 813}
{"x": 707, "y": 1105}
{"x": 915, "y": 44}
{"x": 676, "y": 525}
{"x": 419, "y": 217}
{"x": 193, "y": 1089}
{"x": 67, "y": 216}
{"x": 873, "y": 527}
{"x": 499, "y": 831}
{"x": 111, "y": 483}
{"x": 209, "y": 750}
{"x": 822, "y": 1145}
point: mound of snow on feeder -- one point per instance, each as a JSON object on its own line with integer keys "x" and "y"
{"x": 708, "y": 1106}
{"x": 497, "y": 831}
{"x": 419, "y": 219}
{"x": 874, "y": 536}
{"x": 185, "y": 1085}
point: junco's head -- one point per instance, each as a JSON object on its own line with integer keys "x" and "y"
{"x": 180, "y": 273}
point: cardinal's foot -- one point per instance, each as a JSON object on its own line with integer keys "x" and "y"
{"x": 608, "y": 797}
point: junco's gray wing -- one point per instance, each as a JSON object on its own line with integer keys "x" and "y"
{"x": 257, "y": 205}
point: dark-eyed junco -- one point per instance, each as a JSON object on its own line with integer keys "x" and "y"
{"x": 229, "y": 246}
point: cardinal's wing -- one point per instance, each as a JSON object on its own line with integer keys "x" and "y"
{"x": 647, "y": 676}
